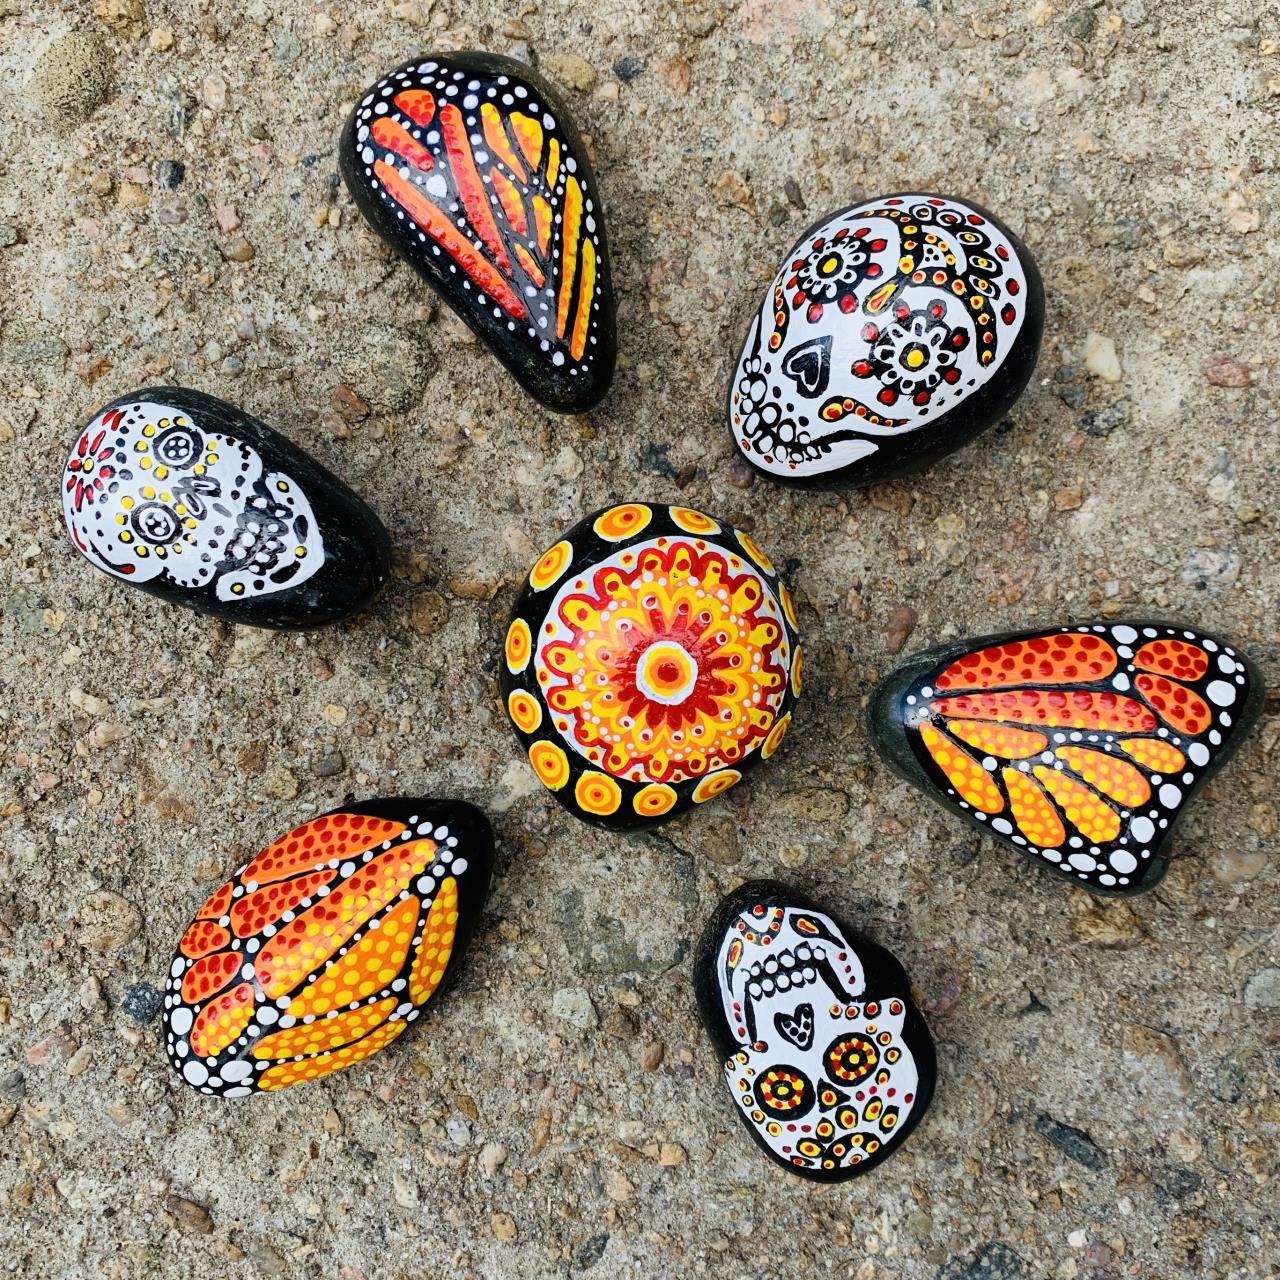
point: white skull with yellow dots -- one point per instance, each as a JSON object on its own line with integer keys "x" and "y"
{"x": 148, "y": 496}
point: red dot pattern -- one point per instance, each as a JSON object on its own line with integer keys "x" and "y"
{"x": 1069, "y": 658}
{"x": 1177, "y": 705}
{"x": 203, "y": 937}
{"x": 1054, "y": 708}
{"x": 217, "y": 904}
{"x": 209, "y": 975}
{"x": 266, "y": 905}
{"x": 339, "y": 835}
{"x": 1173, "y": 658}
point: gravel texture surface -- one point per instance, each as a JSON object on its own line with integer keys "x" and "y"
{"x": 1109, "y": 1074}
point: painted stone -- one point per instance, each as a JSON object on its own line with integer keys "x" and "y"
{"x": 829, "y": 1064}
{"x": 194, "y": 501}
{"x": 894, "y": 332}
{"x": 1078, "y": 745}
{"x": 471, "y": 168}
{"x": 651, "y": 661}
{"x": 326, "y": 946}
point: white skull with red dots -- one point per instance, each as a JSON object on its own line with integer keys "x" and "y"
{"x": 152, "y": 498}
{"x": 823, "y": 1074}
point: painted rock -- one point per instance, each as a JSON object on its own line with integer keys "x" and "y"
{"x": 470, "y": 167}
{"x": 652, "y": 660}
{"x": 325, "y": 947}
{"x": 894, "y": 332}
{"x": 1079, "y": 745}
{"x": 828, "y": 1062}
{"x": 190, "y": 499}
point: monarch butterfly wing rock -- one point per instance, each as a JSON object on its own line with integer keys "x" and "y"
{"x": 471, "y": 168}
{"x": 829, "y": 1064}
{"x": 894, "y": 332}
{"x": 325, "y": 947}
{"x": 192, "y": 500}
{"x": 1078, "y": 745}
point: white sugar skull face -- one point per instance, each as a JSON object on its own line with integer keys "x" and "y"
{"x": 881, "y": 320}
{"x": 151, "y": 498}
{"x": 824, "y": 1075}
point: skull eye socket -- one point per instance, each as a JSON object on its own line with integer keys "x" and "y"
{"x": 153, "y": 522}
{"x": 784, "y": 1092}
{"x": 851, "y": 1059}
{"x": 177, "y": 446}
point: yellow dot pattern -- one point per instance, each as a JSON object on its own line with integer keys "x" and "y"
{"x": 971, "y": 781}
{"x": 1116, "y": 778}
{"x": 325, "y": 1033}
{"x": 372, "y": 964}
{"x": 1037, "y": 819}
{"x": 437, "y": 943}
{"x": 222, "y": 1022}
{"x": 1088, "y": 813}
{"x": 307, "y": 942}
{"x": 999, "y": 739}
{"x": 1158, "y": 756}
{"x": 284, "y": 1074}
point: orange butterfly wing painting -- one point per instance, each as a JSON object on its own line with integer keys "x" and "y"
{"x": 1078, "y": 745}
{"x": 324, "y": 948}
{"x": 471, "y": 168}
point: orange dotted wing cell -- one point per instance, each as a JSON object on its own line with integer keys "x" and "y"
{"x": 1079, "y": 746}
{"x": 339, "y": 933}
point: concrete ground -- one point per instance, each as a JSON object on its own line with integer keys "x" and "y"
{"x": 170, "y": 211}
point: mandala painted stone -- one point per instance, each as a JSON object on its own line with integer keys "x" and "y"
{"x": 325, "y": 947}
{"x": 471, "y": 168}
{"x": 894, "y": 332}
{"x": 828, "y": 1062}
{"x": 194, "y": 501}
{"x": 1079, "y": 745}
{"x": 651, "y": 661}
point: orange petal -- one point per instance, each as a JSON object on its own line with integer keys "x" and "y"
{"x": 1087, "y": 812}
{"x": 495, "y": 135}
{"x": 969, "y": 778}
{"x": 209, "y": 975}
{"x": 392, "y": 135}
{"x": 1173, "y": 658}
{"x": 283, "y": 1074}
{"x": 437, "y": 943}
{"x": 325, "y": 1033}
{"x": 529, "y": 135}
{"x": 1070, "y": 658}
{"x": 1037, "y": 819}
{"x": 371, "y": 965}
{"x": 1116, "y": 778}
{"x": 222, "y": 1022}
{"x": 417, "y": 104}
{"x": 1053, "y": 708}
{"x": 1177, "y": 705}
{"x": 1155, "y": 754}
{"x": 339, "y": 835}
{"x": 216, "y": 904}
{"x": 202, "y": 937}
{"x": 999, "y": 739}
{"x": 252, "y": 913}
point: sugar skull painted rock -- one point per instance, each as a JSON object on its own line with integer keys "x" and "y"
{"x": 471, "y": 168}
{"x": 652, "y": 659}
{"x": 188, "y": 498}
{"x": 1079, "y": 745}
{"x": 894, "y": 332}
{"x": 828, "y": 1062}
{"x": 325, "y": 947}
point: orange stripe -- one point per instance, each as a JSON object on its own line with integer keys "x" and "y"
{"x": 496, "y": 136}
{"x": 529, "y": 135}
{"x": 553, "y": 163}
{"x": 325, "y": 1033}
{"x": 1177, "y": 705}
{"x": 1070, "y": 658}
{"x": 395, "y": 137}
{"x": 1052, "y": 709}
{"x": 526, "y": 261}
{"x": 222, "y": 1021}
{"x": 568, "y": 251}
{"x": 449, "y": 238}
{"x": 512, "y": 205}
{"x": 284, "y": 1074}
{"x": 542, "y": 219}
{"x": 417, "y": 104}
{"x": 470, "y": 188}
{"x": 337, "y": 835}
{"x": 585, "y": 292}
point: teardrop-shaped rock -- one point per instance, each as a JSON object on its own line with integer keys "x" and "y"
{"x": 1079, "y": 745}
{"x": 193, "y": 500}
{"x": 829, "y": 1064}
{"x": 653, "y": 658}
{"x": 471, "y": 168}
{"x": 325, "y": 947}
{"x": 894, "y": 332}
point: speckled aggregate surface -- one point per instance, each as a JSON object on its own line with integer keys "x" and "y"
{"x": 169, "y": 211}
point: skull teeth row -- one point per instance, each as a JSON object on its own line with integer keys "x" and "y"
{"x": 781, "y": 972}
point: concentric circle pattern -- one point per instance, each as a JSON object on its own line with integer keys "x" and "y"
{"x": 661, "y": 650}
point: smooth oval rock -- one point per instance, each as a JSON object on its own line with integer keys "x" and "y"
{"x": 194, "y": 501}
{"x": 894, "y": 332}
{"x": 652, "y": 659}
{"x": 1078, "y": 745}
{"x": 829, "y": 1064}
{"x": 471, "y": 168}
{"x": 325, "y": 947}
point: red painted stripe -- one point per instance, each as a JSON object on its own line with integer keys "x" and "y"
{"x": 471, "y": 190}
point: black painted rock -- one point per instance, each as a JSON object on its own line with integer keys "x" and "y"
{"x": 470, "y": 167}
{"x": 325, "y": 947}
{"x": 193, "y": 500}
{"x": 651, "y": 661}
{"x": 894, "y": 332}
{"x": 1079, "y": 745}
{"x": 828, "y": 1062}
